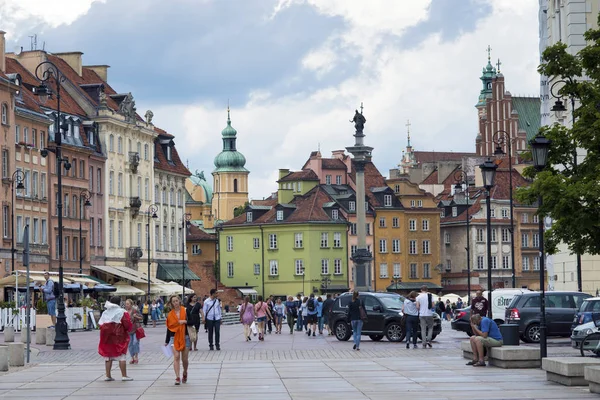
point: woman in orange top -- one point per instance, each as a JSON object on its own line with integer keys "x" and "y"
{"x": 177, "y": 337}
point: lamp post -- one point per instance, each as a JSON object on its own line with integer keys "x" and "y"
{"x": 45, "y": 72}
{"x": 325, "y": 282}
{"x": 488, "y": 171}
{"x": 395, "y": 281}
{"x": 461, "y": 179}
{"x": 540, "y": 147}
{"x": 303, "y": 269}
{"x": 559, "y": 108}
{"x": 151, "y": 213}
{"x": 17, "y": 177}
{"x": 502, "y": 138}
{"x": 84, "y": 194}
{"x": 185, "y": 220}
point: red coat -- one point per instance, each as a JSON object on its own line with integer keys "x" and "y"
{"x": 114, "y": 338}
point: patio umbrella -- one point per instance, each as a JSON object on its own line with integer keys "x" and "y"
{"x": 75, "y": 288}
{"x": 124, "y": 289}
{"x": 102, "y": 288}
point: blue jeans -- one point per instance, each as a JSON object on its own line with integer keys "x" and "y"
{"x": 134, "y": 344}
{"x": 299, "y": 322}
{"x": 320, "y": 322}
{"x": 412, "y": 326}
{"x": 356, "y": 331}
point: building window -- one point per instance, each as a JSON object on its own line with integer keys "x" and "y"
{"x": 229, "y": 243}
{"x": 120, "y": 184}
{"x": 111, "y": 178}
{"x": 147, "y": 189}
{"x": 420, "y": 203}
{"x": 337, "y": 266}
{"x": 338, "y": 179}
{"x": 111, "y": 228}
{"x": 426, "y": 271}
{"x": 256, "y": 243}
{"x": 5, "y": 221}
{"x": 273, "y": 268}
{"x": 120, "y": 234}
{"x": 447, "y": 237}
{"x": 337, "y": 240}
{"x": 536, "y": 263}
{"x": 426, "y": 247}
{"x": 299, "y": 264}
{"x": 249, "y": 216}
{"x": 383, "y": 245}
{"x": 412, "y": 203}
{"x": 353, "y": 229}
{"x": 397, "y": 271}
{"x": 279, "y": 215}
{"x": 383, "y": 270}
{"x": 91, "y": 231}
{"x": 505, "y": 262}
{"x": 480, "y": 262}
{"x": 26, "y": 140}
{"x": 328, "y": 179}
{"x": 382, "y": 222}
{"x": 352, "y": 206}
{"x": 298, "y": 242}
{"x": 412, "y": 247}
{"x": 395, "y": 222}
{"x": 387, "y": 200}
{"x": 99, "y": 181}
{"x": 494, "y": 262}
{"x": 443, "y": 213}
{"x": 412, "y": 224}
{"x": 479, "y": 236}
{"x": 504, "y": 213}
{"x": 324, "y": 266}
{"x": 229, "y": 269}
{"x": 425, "y": 224}
{"x": 505, "y": 235}
{"x": 493, "y": 213}
{"x": 353, "y": 249}
{"x": 120, "y": 145}
{"x": 111, "y": 143}
{"x": 4, "y": 113}
{"x": 324, "y": 239}
{"x": 5, "y": 163}
{"x": 524, "y": 240}
{"x": 396, "y": 188}
{"x": 525, "y": 263}
{"x": 395, "y": 245}
{"x": 179, "y": 198}
{"x": 536, "y": 240}
{"x": 525, "y": 218}
{"x": 172, "y": 197}
{"x": 256, "y": 269}
{"x": 273, "y": 241}
{"x": 335, "y": 214}
{"x": 413, "y": 271}
{"x": 454, "y": 211}
{"x": 536, "y": 219}
{"x": 494, "y": 236}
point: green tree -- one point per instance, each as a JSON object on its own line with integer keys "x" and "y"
{"x": 571, "y": 190}
{"x": 240, "y": 210}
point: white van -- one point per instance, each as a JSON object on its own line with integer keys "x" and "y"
{"x": 501, "y": 298}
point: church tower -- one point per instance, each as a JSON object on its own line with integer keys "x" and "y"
{"x": 230, "y": 178}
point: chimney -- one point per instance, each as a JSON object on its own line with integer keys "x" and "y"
{"x": 101, "y": 70}
{"x": 2, "y": 52}
{"x": 72, "y": 58}
{"x": 283, "y": 172}
{"x": 339, "y": 154}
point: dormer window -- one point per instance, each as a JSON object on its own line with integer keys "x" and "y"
{"x": 328, "y": 179}
{"x": 335, "y": 214}
{"x": 454, "y": 211}
{"x": 279, "y": 215}
{"x": 338, "y": 179}
{"x": 397, "y": 189}
{"x": 443, "y": 213}
{"x": 387, "y": 200}
{"x": 352, "y": 206}
{"x": 168, "y": 153}
{"x": 249, "y": 216}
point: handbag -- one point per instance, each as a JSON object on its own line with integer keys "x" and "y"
{"x": 254, "y": 328}
{"x": 140, "y": 333}
{"x": 193, "y": 335}
{"x": 403, "y": 321}
{"x": 363, "y": 313}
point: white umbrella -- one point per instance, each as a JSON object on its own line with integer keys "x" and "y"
{"x": 453, "y": 297}
{"x": 124, "y": 289}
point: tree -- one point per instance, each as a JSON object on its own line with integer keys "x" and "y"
{"x": 570, "y": 190}
{"x": 240, "y": 210}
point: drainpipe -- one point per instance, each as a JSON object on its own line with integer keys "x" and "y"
{"x": 348, "y": 226}
{"x": 262, "y": 238}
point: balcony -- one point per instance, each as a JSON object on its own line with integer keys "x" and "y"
{"x": 135, "y": 203}
{"x": 134, "y": 161}
{"x": 134, "y": 254}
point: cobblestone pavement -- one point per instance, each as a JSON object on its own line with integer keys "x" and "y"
{"x": 283, "y": 367}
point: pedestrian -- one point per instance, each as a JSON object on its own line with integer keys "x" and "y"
{"x": 485, "y": 335}
{"x": 320, "y": 314}
{"x": 50, "y": 297}
{"x": 425, "y": 307}
{"x": 146, "y": 312}
{"x": 212, "y": 319}
{"x": 193, "y": 310}
{"x": 154, "y": 313}
{"x": 161, "y": 308}
{"x": 440, "y": 308}
{"x": 411, "y": 315}
{"x": 270, "y": 304}
{"x": 311, "y": 312}
{"x": 448, "y": 310}
{"x": 291, "y": 308}
{"x": 279, "y": 311}
{"x": 114, "y": 337}
{"x": 136, "y": 318}
{"x": 202, "y": 304}
{"x": 459, "y": 304}
{"x": 327, "y": 306}
{"x": 299, "y": 322}
{"x": 480, "y": 304}
{"x": 304, "y": 312}
{"x": 247, "y": 317}
{"x": 177, "y": 337}
{"x": 354, "y": 315}
{"x": 262, "y": 313}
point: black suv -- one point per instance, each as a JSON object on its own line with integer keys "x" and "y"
{"x": 384, "y": 311}
{"x": 561, "y": 307}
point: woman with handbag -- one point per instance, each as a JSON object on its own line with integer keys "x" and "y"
{"x": 134, "y": 342}
{"x": 114, "y": 337}
{"x": 193, "y": 309}
{"x": 292, "y": 313}
{"x": 411, "y": 316}
{"x": 247, "y": 317}
{"x": 356, "y": 315}
{"x": 262, "y": 313}
{"x": 177, "y": 336}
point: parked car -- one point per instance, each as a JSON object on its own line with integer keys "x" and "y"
{"x": 581, "y": 332}
{"x": 501, "y": 298}
{"x": 384, "y": 312}
{"x": 561, "y": 307}
{"x": 462, "y": 321}
{"x": 584, "y": 314}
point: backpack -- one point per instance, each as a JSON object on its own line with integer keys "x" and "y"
{"x": 430, "y": 299}
{"x": 311, "y": 305}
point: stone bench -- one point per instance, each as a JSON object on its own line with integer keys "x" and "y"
{"x": 568, "y": 371}
{"x": 592, "y": 375}
{"x": 3, "y": 358}
{"x": 16, "y": 354}
{"x": 507, "y": 356}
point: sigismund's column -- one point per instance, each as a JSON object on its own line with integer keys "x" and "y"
{"x": 362, "y": 257}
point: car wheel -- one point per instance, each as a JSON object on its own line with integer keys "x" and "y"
{"x": 469, "y": 333}
{"x": 532, "y": 333}
{"x": 342, "y": 331}
{"x": 376, "y": 338}
{"x": 394, "y": 332}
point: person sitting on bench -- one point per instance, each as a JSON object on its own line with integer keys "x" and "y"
{"x": 486, "y": 334}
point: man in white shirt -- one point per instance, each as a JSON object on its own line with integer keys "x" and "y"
{"x": 425, "y": 306}
{"x": 212, "y": 319}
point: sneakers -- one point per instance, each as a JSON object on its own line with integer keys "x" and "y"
{"x": 177, "y": 381}
{"x": 184, "y": 380}
{"x": 126, "y": 379}
{"x": 308, "y": 332}
{"x": 109, "y": 379}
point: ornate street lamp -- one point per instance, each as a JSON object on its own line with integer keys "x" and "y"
{"x": 185, "y": 220}
{"x": 46, "y": 72}
{"x": 488, "y": 171}
{"x": 84, "y": 194}
{"x": 396, "y": 280}
{"x": 151, "y": 213}
{"x": 325, "y": 282}
{"x": 18, "y": 177}
{"x": 540, "y": 146}
{"x": 461, "y": 178}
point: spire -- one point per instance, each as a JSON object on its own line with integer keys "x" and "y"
{"x": 408, "y": 131}
{"x": 498, "y": 64}
{"x": 228, "y": 117}
{"x": 488, "y": 74}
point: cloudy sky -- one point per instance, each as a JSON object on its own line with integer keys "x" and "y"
{"x": 294, "y": 70}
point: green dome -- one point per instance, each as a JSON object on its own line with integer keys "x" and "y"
{"x": 199, "y": 180}
{"x": 230, "y": 160}
{"x": 228, "y": 131}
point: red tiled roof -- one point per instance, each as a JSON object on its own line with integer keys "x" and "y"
{"x": 162, "y": 132}
{"x": 433, "y": 156}
{"x": 332, "y": 163}
{"x": 432, "y": 178}
{"x": 270, "y": 201}
{"x": 304, "y": 175}
{"x": 501, "y": 189}
{"x": 196, "y": 234}
{"x": 176, "y": 166}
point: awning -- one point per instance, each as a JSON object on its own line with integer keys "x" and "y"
{"x": 174, "y": 271}
{"x": 124, "y": 273}
{"x": 336, "y": 288}
{"x": 172, "y": 288}
{"x": 412, "y": 286}
{"x": 247, "y": 291}
{"x": 123, "y": 289}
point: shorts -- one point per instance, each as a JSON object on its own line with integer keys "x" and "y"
{"x": 122, "y": 357}
{"x": 261, "y": 319}
{"x": 311, "y": 318}
{"x": 489, "y": 342}
{"x": 51, "y": 305}
{"x": 188, "y": 343}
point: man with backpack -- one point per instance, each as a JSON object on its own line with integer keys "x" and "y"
{"x": 424, "y": 306}
{"x": 311, "y": 306}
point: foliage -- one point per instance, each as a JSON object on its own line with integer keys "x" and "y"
{"x": 41, "y": 307}
{"x": 87, "y": 303}
{"x": 7, "y": 304}
{"x": 571, "y": 190}
{"x": 241, "y": 209}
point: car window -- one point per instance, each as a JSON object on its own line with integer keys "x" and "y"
{"x": 514, "y": 301}
{"x": 370, "y": 302}
{"x": 560, "y": 301}
{"x": 344, "y": 301}
{"x": 392, "y": 302}
{"x": 579, "y": 299}
{"x": 533, "y": 302}
{"x": 590, "y": 306}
